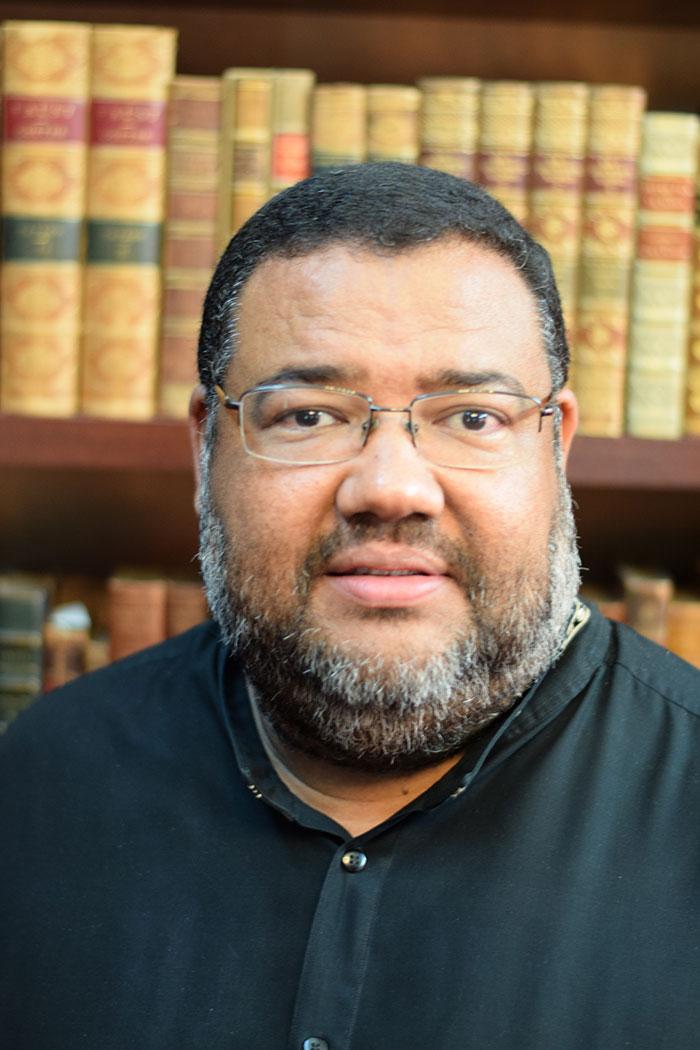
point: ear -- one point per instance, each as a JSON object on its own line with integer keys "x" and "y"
{"x": 197, "y": 424}
{"x": 568, "y": 409}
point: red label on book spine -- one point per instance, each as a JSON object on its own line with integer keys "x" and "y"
{"x": 44, "y": 119}
{"x": 665, "y": 243}
{"x": 290, "y": 156}
{"x": 667, "y": 193}
{"x": 116, "y": 123}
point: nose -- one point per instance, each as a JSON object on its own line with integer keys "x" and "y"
{"x": 389, "y": 478}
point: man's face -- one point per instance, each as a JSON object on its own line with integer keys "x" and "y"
{"x": 311, "y": 553}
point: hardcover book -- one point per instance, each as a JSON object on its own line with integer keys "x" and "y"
{"x": 599, "y": 351}
{"x": 45, "y": 84}
{"x": 132, "y": 67}
{"x": 662, "y": 276}
{"x": 556, "y": 186}
{"x": 338, "y": 126}
{"x": 393, "y": 123}
{"x": 190, "y": 249}
{"x": 246, "y": 147}
{"x": 505, "y": 142}
{"x": 449, "y": 124}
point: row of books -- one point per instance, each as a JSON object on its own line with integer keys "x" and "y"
{"x": 122, "y": 182}
{"x": 53, "y": 629}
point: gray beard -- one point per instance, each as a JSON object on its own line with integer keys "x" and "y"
{"x": 380, "y": 714}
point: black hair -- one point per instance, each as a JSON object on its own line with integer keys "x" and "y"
{"x": 386, "y": 207}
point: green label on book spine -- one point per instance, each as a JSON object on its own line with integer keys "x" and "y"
{"x": 124, "y": 242}
{"x": 40, "y": 240}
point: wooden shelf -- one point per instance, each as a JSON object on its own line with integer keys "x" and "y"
{"x": 162, "y": 446}
{"x": 653, "y": 12}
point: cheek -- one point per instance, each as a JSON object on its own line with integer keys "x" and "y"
{"x": 273, "y": 516}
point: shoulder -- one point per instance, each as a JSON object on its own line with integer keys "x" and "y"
{"x": 643, "y": 669}
{"x": 94, "y": 713}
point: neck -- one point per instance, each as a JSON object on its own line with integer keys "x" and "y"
{"x": 356, "y": 800}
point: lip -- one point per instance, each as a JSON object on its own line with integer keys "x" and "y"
{"x": 424, "y": 575}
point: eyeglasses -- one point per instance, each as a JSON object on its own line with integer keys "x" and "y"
{"x": 313, "y": 425}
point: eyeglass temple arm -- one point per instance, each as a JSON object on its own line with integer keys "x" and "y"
{"x": 225, "y": 400}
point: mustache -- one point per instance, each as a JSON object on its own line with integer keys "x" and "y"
{"x": 416, "y": 533}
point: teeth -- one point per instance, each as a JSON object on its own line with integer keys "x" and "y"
{"x": 382, "y": 572}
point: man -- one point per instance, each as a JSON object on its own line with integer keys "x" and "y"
{"x": 409, "y": 791}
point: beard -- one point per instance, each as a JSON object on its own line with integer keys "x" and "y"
{"x": 371, "y": 711}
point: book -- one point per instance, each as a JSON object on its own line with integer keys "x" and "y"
{"x": 393, "y": 123}
{"x": 190, "y": 241}
{"x": 338, "y": 126}
{"x": 505, "y": 142}
{"x": 23, "y": 606}
{"x": 66, "y": 643}
{"x": 45, "y": 85}
{"x": 599, "y": 349}
{"x": 137, "y": 612}
{"x": 449, "y": 124}
{"x": 246, "y": 147}
{"x": 692, "y": 400}
{"x": 132, "y": 67}
{"x": 662, "y": 276}
{"x": 647, "y": 595}
{"x": 186, "y": 605}
{"x": 683, "y": 627}
{"x": 290, "y": 159}
{"x": 556, "y": 183}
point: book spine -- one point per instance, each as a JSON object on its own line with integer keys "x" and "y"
{"x": 137, "y": 614}
{"x": 339, "y": 126}
{"x": 186, "y": 605}
{"x": 393, "y": 114}
{"x": 290, "y": 159}
{"x": 692, "y": 400}
{"x": 189, "y": 246}
{"x": 647, "y": 597}
{"x": 45, "y": 85}
{"x": 683, "y": 629}
{"x": 505, "y": 142}
{"x": 132, "y": 67}
{"x": 556, "y": 186}
{"x": 23, "y": 608}
{"x": 662, "y": 276}
{"x": 599, "y": 348}
{"x": 246, "y": 144}
{"x": 449, "y": 124}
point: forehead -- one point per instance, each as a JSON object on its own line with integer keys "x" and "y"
{"x": 445, "y": 308}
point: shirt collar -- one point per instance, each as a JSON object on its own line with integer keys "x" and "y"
{"x": 581, "y": 654}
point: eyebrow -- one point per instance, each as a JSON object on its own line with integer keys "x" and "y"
{"x": 445, "y": 379}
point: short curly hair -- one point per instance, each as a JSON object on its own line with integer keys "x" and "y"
{"x": 385, "y": 207}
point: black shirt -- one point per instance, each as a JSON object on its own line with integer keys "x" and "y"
{"x": 163, "y": 890}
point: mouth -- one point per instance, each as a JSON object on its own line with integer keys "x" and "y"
{"x": 386, "y": 578}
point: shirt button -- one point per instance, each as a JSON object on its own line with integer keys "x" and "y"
{"x": 314, "y": 1043}
{"x": 354, "y": 860}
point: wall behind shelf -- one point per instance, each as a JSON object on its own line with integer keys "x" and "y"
{"x": 371, "y": 46}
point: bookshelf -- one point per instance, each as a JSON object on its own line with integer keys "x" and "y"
{"x": 89, "y": 494}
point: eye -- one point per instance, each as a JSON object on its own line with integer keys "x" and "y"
{"x": 307, "y": 419}
{"x": 474, "y": 420}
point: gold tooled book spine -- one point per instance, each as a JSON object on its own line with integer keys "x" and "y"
{"x": 189, "y": 246}
{"x": 291, "y": 128}
{"x": 45, "y": 86}
{"x": 505, "y": 142}
{"x": 662, "y": 276}
{"x": 338, "y": 126}
{"x": 393, "y": 123}
{"x": 599, "y": 349}
{"x": 449, "y": 124}
{"x": 132, "y": 67}
{"x": 692, "y": 383}
{"x": 556, "y": 182}
{"x": 246, "y": 144}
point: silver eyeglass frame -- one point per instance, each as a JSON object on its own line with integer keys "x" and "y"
{"x": 545, "y": 406}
